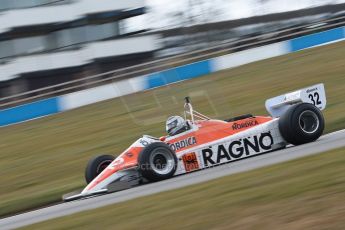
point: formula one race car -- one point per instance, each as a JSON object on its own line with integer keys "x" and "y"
{"x": 295, "y": 119}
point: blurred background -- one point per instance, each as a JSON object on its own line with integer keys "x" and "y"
{"x": 45, "y": 43}
{"x": 62, "y": 56}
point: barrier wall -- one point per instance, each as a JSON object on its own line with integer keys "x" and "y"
{"x": 29, "y": 111}
{"x": 317, "y": 39}
{"x": 128, "y": 86}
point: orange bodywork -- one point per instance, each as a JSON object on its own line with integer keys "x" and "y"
{"x": 212, "y": 130}
{"x": 127, "y": 159}
{"x": 202, "y": 132}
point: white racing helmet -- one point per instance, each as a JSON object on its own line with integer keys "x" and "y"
{"x": 175, "y": 125}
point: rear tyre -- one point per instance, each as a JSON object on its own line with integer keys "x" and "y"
{"x": 302, "y": 123}
{"x": 96, "y": 165}
{"x": 157, "y": 161}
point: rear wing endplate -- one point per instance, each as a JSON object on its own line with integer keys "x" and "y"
{"x": 314, "y": 95}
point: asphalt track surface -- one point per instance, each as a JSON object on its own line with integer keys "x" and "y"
{"x": 325, "y": 143}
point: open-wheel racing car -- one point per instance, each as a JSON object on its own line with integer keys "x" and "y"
{"x": 295, "y": 119}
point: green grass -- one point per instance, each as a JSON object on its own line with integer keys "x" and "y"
{"x": 42, "y": 159}
{"x": 307, "y": 193}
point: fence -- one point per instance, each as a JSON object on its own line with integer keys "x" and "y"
{"x": 152, "y": 80}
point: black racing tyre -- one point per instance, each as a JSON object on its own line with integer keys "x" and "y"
{"x": 157, "y": 161}
{"x": 96, "y": 165}
{"x": 301, "y": 123}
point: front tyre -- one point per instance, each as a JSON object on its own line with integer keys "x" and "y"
{"x": 301, "y": 123}
{"x": 96, "y": 165}
{"x": 157, "y": 161}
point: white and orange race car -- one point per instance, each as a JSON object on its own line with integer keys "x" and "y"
{"x": 295, "y": 119}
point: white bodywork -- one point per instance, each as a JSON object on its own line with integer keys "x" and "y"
{"x": 314, "y": 95}
{"x": 265, "y": 137}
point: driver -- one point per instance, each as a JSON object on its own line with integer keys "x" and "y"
{"x": 176, "y": 125}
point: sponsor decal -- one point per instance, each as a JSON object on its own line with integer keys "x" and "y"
{"x": 144, "y": 142}
{"x": 237, "y": 149}
{"x": 312, "y": 90}
{"x": 246, "y": 124}
{"x": 190, "y": 162}
{"x": 183, "y": 143}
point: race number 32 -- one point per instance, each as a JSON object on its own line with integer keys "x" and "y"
{"x": 315, "y": 98}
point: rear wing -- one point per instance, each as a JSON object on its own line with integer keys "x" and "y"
{"x": 314, "y": 95}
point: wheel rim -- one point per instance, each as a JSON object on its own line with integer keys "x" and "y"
{"x": 161, "y": 161}
{"x": 103, "y": 165}
{"x": 308, "y": 121}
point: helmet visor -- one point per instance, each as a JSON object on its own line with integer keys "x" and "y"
{"x": 171, "y": 125}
